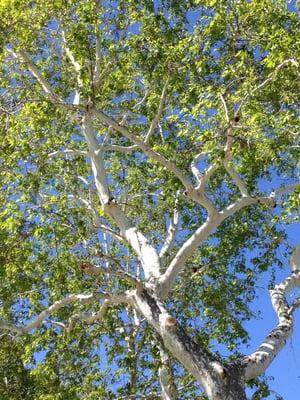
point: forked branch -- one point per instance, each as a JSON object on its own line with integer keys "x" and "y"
{"x": 73, "y": 298}
{"x": 256, "y": 363}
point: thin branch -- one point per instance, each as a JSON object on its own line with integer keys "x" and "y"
{"x": 98, "y": 270}
{"x": 122, "y": 149}
{"x": 170, "y": 166}
{"x": 169, "y": 389}
{"x": 74, "y": 62}
{"x": 98, "y": 224}
{"x": 156, "y": 119}
{"x": 97, "y": 67}
{"x": 22, "y": 56}
{"x": 195, "y": 170}
{"x": 112, "y": 233}
{"x": 287, "y": 188}
{"x": 271, "y": 76}
{"x": 91, "y": 318}
{"x": 225, "y": 108}
{"x": 171, "y": 235}
{"x": 235, "y": 177}
{"x": 69, "y": 151}
{"x": 81, "y": 298}
{"x": 207, "y": 174}
{"x": 143, "y": 99}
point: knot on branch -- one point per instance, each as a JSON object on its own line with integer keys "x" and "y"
{"x": 170, "y": 322}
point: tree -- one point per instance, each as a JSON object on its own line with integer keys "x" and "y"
{"x": 149, "y": 161}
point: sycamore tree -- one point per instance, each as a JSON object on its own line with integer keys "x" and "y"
{"x": 149, "y": 155}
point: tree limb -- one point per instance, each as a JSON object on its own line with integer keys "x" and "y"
{"x": 200, "y": 235}
{"x": 156, "y": 119}
{"x": 256, "y": 363}
{"x": 170, "y": 166}
{"x": 146, "y": 253}
{"x": 97, "y": 270}
{"x": 76, "y": 66}
{"x": 69, "y": 151}
{"x": 166, "y": 377}
{"x": 90, "y": 318}
{"x": 22, "y": 56}
{"x": 171, "y": 235}
{"x": 267, "y": 80}
{"x": 235, "y": 177}
{"x": 81, "y": 298}
{"x": 287, "y": 188}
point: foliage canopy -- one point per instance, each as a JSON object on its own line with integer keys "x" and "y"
{"x": 212, "y": 84}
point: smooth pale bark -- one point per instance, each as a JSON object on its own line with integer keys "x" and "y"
{"x": 166, "y": 378}
{"x": 145, "y": 251}
{"x": 199, "y": 236}
{"x": 258, "y": 362}
{"x": 219, "y": 383}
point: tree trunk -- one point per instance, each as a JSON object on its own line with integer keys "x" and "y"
{"x": 218, "y": 381}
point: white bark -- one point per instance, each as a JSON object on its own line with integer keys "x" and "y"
{"x": 68, "y": 151}
{"x": 236, "y": 179}
{"x": 200, "y": 235}
{"x": 218, "y": 382}
{"x": 105, "y": 119}
{"x": 81, "y": 298}
{"x": 202, "y": 365}
{"x": 146, "y": 253}
{"x": 77, "y": 69}
{"x": 171, "y": 235}
{"x": 295, "y": 259}
{"x": 156, "y": 119}
{"x": 258, "y": 362}
{"x": 177, "y": 264}
{"x": 22, "y": 56}
{"x": 91, "y": 318}
{"x": 166, "y": 377}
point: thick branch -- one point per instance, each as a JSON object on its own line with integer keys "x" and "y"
{"x": 140, "y": 244}
{"x": 200, "y": 235}
{"x": 186, "y": 250}
{"x": 199, "y": 362}
{"x": 74, "y": 62}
